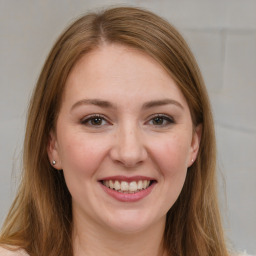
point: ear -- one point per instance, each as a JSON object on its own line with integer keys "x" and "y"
{"x": 53, "y": 152}
{"x": 195, "y": 144}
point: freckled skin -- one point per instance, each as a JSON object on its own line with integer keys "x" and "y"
{"x": 127, "y": 143}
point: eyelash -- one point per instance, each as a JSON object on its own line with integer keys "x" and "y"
{"x": 166, "y": 120}
{"x": 87, "y": 121}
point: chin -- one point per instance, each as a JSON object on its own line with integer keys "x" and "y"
{"x": 131, "y": 221}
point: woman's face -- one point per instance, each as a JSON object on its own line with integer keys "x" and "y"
{"x": 124, "y": 139}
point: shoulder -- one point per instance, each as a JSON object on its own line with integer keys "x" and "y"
{"x": 6, "y": 252}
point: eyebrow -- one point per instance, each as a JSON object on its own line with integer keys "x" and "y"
{"x": 107, "y": 104}
{"x": 96, "y": 102}
{"x": 157, "y": 103}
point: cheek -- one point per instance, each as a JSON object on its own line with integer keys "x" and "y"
{"x": 82, "y": 155}
{"x": 172, "y": 155}
{"x": 171, "y": 159}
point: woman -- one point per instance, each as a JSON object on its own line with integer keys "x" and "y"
{"x": 119, "y": 152}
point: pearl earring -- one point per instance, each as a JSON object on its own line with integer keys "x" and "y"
{"x": 53, "y": 162}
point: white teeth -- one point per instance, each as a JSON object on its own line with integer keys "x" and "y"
{"x": 127, "y": 187}
{"x": 117, "y": 185}
{"x": 107, "y": 183}
{"x": 140, "y": 184}
{"x": 124, "y": 186}
{"x": 111, "y": 184}
{"x": 133, "y": 186}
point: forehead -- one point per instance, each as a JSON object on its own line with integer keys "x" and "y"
{"x": 114, "y": 70}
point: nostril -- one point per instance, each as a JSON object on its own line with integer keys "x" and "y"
{"x": 128, "y": 156}
{"x": 128, "y": 147}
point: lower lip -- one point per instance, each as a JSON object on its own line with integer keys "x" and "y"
{"x": 128, "y": 197}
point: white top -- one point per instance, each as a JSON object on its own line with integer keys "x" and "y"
{"x": 5, "y": 252}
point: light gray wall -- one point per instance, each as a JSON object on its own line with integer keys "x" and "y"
{"x": 222, "y": 34}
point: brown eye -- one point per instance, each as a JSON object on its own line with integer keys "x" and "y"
{"x": 161, "y": 120}
{"x": 158, "y": 121}
{"x": 94, "y": 121}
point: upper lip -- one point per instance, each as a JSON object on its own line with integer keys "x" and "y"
{"x": 127, "y": 179}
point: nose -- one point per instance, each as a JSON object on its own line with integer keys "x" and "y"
{"x": 128, "y": 148}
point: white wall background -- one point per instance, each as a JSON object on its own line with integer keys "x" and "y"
{"x": 221, "y": 33}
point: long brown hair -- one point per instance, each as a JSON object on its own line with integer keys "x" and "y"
{"x": 40, "y": 220}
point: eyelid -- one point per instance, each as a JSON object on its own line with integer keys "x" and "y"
{"x": 86, "y": 119}
{"x": 166, "y": 117}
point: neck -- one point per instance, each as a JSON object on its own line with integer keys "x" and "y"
{"x": 90, "y": 239}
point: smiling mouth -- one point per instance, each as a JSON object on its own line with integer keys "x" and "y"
{"x": 128, "y": 187}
